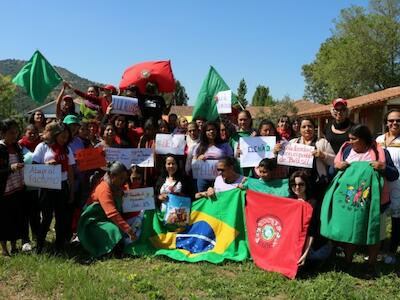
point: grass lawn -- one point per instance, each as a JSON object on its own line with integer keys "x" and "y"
{"x": 74, "y": 276}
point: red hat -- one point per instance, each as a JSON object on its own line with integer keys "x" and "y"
{"x": 339, "y": 101}
{"x": 110, "y": 87}
{"x": 67, "y": 97}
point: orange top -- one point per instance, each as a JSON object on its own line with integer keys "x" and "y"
{"x": 103, "y": 195}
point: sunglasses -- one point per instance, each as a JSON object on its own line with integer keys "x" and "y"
{"x": 342, "y": 110}
{"x": 394, "y": 120}
{"x": 299, "y": 184}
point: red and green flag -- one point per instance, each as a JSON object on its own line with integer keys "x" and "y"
{"x": 277, "y": 230}
{"x": 206, "y": 106}
{"x": 216, "y": 232}
{"x": 37, "y": 77}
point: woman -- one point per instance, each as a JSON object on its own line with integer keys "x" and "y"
{"x": 296, "y": 127}
{"x": 316, "y": 247}
{"x": 210, "y": 148}
{"x": 38, "y": 119}
{"x": 101, "y": 226}
{"x": 163, "y": 126}
{"x": 323, "y": 156}
{"x": 226, "y": 180}
{"x": 361, "y": 193}
{"x": 285, "y": 127}
{"x": 55, "y": 151}
{"x": 64, "y": 104}
{"x": 11, "y": 186}
{"x": 30, "y": 139}
{"x": 148, "y": 140}
{"x": 391, "y": 142}
{"x": 108, "y": 137}
{"x": 192, "y": 140}
{"x": 172, "y": 181}
{"x": 182, "y": 125}
{"x": 337, "y": 131}
{"x": 93, "y": 127}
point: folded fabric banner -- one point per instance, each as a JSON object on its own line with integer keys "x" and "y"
{"x": 37, "y": 77}
{"x": 351, "y": 208}
{"x": 216, "y": 232}
{"x": 277, "y": 230}
{"x": 277, "y": 187}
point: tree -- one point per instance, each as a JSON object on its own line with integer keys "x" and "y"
{"x": 361, "y": 56}
{"x": 178, "y": 97}
{"x": 7, "y": 93}
{"x": 262, "y": 97}
{"x": 241, "y": 93}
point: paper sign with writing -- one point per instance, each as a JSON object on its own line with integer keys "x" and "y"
{"x": 224, "y": 102}
{"x": 90, "y": 159}
{"x": 170, "y": 143}
{"x": 204, "y": 169}
{"x": 254, "y": 149}
{"x": 296, "y": 155}
{"x": 138, "y": 200}
{"x": 143, "y": 157}
{"x": 125, "y": 105}
{"x": 43, "y": 176}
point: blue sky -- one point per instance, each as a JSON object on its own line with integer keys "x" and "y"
{"x": 264, "y": 42}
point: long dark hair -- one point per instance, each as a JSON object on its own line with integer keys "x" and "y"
{"x": 270, "y": 123}
{"x": 362, "y": 131}
{"x": 5, "y": 126}
{"x": 305, "y": 176}
{"x": 203, "y": 145}
{"x": 178, "y": 174}
{"x": 32, "y": 118}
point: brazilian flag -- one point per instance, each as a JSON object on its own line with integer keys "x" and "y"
{"x": 277, "y": 187}
{"x": 216, "y": 232}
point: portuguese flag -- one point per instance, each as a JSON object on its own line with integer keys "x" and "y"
{"x": 37, "y": 77}
{"x": 277, "y": 230}
{"x": 216, "y": 232}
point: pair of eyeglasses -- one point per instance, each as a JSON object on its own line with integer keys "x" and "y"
{"x": 394, "y": 120}
{"x": 342, "y": 110}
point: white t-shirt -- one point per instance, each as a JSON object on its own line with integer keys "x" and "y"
{"x": 221, "y": 186}
{"x": 43, "y": 154}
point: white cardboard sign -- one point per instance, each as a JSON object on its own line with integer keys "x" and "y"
{"x": 296, "y": 155}
{"x": 125, "y": 105}
{"x": 254, "y": 149}
{"x": 224, "y": 102}
{"x": 138, "y": 200}
{"x": 43, "y": 176}
{"x": 142, "y": 157}
{"x": 170, "y": 143}
{"x": 204, "y": 169}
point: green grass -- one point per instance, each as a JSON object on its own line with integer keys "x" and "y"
{"x": 69, "y": 276}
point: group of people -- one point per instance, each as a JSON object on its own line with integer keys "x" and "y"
{"x": 57, "y": 141}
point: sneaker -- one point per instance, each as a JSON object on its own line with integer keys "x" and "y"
{"x": 74, "y": 239}
{"x": 26, "y": 247}
{"x": 390, "y": 260}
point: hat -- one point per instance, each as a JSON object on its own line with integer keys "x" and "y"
{"x": 71, "y": 119}
{"x": 110, "y": 87}
{"x": 67, "y": 97}
{"x": 339, "y": 101}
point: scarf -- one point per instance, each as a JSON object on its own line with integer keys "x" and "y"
{"x": 30, "y": 145}
{"x": 60, "y": 156}
{"x": 91, "y": 105}
{"x": 284, "y": 133}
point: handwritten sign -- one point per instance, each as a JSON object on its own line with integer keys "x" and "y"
{"x": 204, "y": 169}
{"x": 254, "y": 149}
{"x": 125, "y": 105}
{"x": 142, "y": 157}
{"x": 43, "y": 176}
{"x": 170, "y": 143}
{"x": 138, "y": 200}
{"x": 224, "y": 102}
{"x": 296, "y": 155}
{"x": 90, "y": 159}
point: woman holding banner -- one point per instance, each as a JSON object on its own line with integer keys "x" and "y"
{"x": 323, "y": 157}
{"x": 101, "y": 226}
{"x": 11, "y": 186}
{"x": 55, "y": 151}
{"x": 210, "y": 148}
{"x": 351, "y": 209}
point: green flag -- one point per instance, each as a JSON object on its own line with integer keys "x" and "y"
{"x": 216, "y": 232}
{"x": 277, "y": 187}
{"x": 37, "y": 77}
{"x": 206, "y": 106}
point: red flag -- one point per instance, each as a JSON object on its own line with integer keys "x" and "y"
{"x": 277, "y": 230}
{"x": 159, "y": 72}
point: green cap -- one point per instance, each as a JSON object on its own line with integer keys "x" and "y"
{"x": 71, "y": 119}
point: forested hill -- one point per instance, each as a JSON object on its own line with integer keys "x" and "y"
{"x": 22, "y": 103}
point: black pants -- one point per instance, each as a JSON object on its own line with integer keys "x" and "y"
{"x": 31, "y": 214}
{"x": 395, "y": 238}
{"x": 55, "y": 202}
